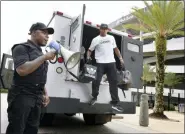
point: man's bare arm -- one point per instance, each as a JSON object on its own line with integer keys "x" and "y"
{"x": 89, "y": 54}
{"x": 118, "y": 53}
{"x": 45, "y": 91}
{"x": 30, "y": 66}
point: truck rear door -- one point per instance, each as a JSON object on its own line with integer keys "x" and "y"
{"x": 61, "y": 24}
{"x": 6, "y": 71}
{"x": 132, "y": 51}
{"x": 76, "y": 40}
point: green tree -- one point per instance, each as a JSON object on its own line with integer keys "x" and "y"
{"x": 148, "y": 75}
{"x": 171, "y": 80}
{"x": 162, "y": 19}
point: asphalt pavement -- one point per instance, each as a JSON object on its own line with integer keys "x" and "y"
{"x": 75, "y": 124}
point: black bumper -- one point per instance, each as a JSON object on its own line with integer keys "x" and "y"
{"x": 71, "y": 105}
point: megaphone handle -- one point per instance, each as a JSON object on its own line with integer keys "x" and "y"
{"x": 55, "y": 60}
{"x": 50, "y": 60}
{"x": 46, "y": 49}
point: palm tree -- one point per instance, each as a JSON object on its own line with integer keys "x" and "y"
{"x": 163, "y": 19}
{"x": 171, "y": 79}
{"x": 148, "y": 75}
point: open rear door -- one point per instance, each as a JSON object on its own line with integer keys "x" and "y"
{"x": 76, "y": 40}
{"x": 132, "y": 52}
{"x": 6, "y": 71}
{"x": 61, "y": 24}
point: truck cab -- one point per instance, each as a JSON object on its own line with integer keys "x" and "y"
{"x": 67, "y": 94}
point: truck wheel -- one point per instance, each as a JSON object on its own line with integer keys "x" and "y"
{"x": 46, "y": 119}
{"x": 71, "y": 114}
{"x": 97, "y": 119}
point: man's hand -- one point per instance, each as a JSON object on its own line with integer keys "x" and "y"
{"x": 122, "y": 64}
{"x": 46, "y": 100}
{"x": 88, "y": 57}
{"x": 50, "y": 55}
{"x": 89, "y": 60}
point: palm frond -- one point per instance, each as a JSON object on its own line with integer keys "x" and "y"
{"x": 156, "y": 16}
{"x": 171, "y": 79}
{"x": 178, "y": 18}
{"x": 159, "y": 14}
{"x": 179, "y": 33}
{"x": 173, "y": 18}
{"x": 169, "y": 13}
{"x": 136, "y": 27}
{"x": 148, "y": 7}
{"x": 148, "y": 73}
{"x": 165, "y": 18}
{"x": 178, "y": 26}
{"x": 144, "y": 18}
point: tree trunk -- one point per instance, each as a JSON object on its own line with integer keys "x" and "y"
{"x": 170, "y": 94}
{"x": 170, "y": 91}
{"x": 145, "y": 89}
{"x": 160, "y": 46}
{"x": 137, "y": 96}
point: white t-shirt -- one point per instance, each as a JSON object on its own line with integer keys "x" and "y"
{"x": 104, "y": 48}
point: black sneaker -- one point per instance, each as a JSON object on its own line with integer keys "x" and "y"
{"x": 117, "y": 108}
{"x": 93, "y": 101}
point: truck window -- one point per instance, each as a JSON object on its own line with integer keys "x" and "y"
{"x": 133, "y": 47}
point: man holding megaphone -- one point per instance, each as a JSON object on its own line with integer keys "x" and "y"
{"x": 27, "y": 93}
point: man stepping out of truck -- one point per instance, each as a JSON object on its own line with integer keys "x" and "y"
{"x": 104, "y": 46}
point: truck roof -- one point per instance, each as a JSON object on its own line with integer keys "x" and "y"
{"x": 89, "y": 23}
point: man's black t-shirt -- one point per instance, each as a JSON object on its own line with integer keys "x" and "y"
{"x": 22, "y": 53}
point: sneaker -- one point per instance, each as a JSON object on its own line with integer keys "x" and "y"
{"x": 117, "y": 108}
{"x": 93, "y": 101}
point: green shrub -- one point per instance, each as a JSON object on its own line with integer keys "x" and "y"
{"x": 3, "y": 91}
{"x": 171, "y": 108}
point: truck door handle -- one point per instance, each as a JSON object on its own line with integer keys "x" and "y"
{"x": 132, "y": 58}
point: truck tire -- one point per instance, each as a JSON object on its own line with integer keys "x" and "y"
{"x": 46, "y": 119}
{"x": 97, "y": 119}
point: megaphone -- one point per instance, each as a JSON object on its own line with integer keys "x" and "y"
{"x": 71, "y": 59}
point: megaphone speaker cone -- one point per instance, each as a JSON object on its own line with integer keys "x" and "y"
{"x": 73, "y": 60}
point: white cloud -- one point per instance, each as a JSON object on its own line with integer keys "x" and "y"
{"x": 17, "y": 16}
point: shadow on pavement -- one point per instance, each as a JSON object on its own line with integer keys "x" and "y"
{"x": 76, "y": 124}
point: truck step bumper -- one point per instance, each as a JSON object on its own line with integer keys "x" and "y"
{"x": 128, "y": 108}
{"x": 72, "y": 105}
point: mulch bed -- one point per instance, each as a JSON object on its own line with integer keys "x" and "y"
{"x": 161, "y": 117}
